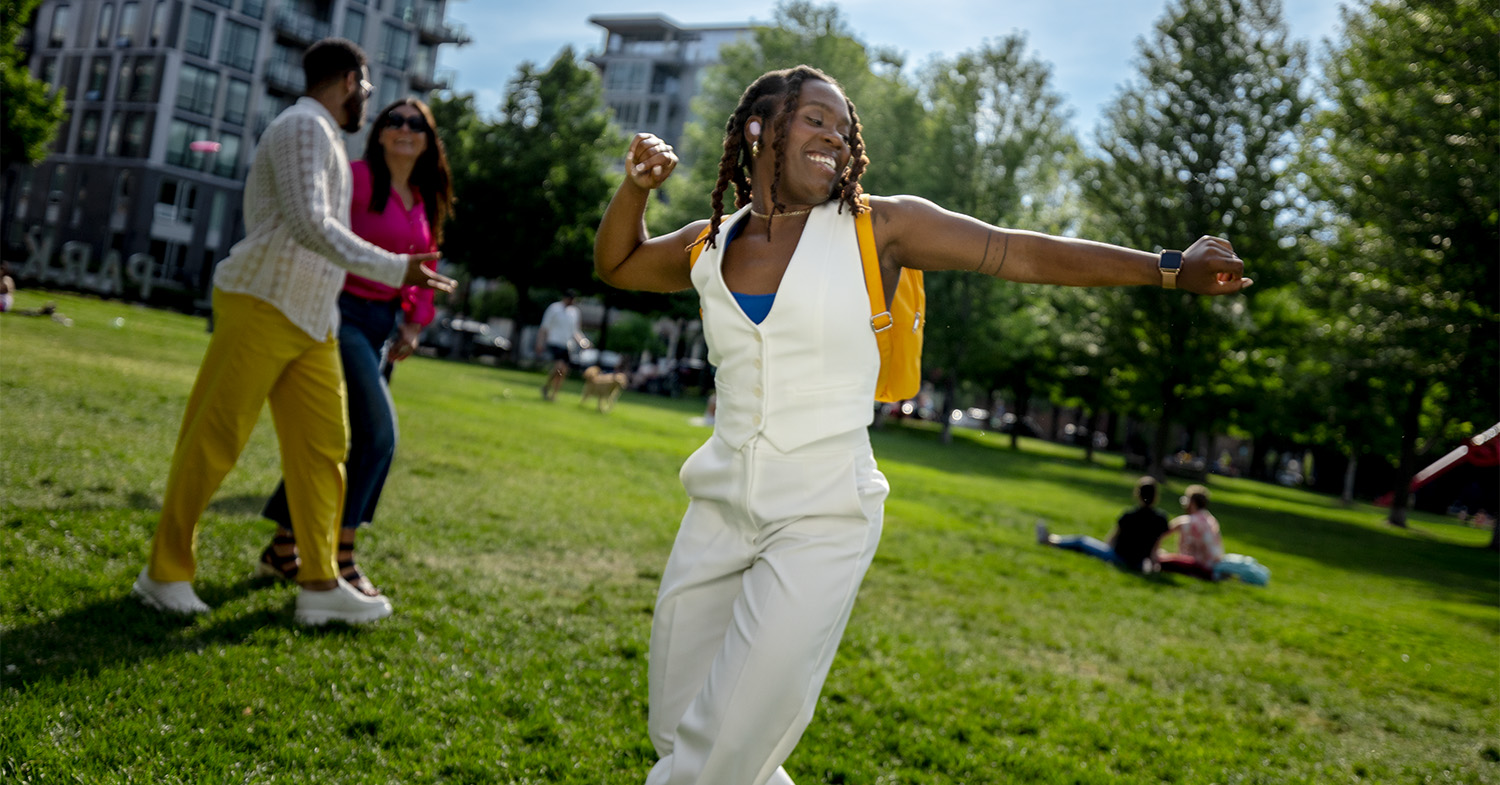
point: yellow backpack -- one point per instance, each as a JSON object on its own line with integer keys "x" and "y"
{"x": 898, "y": 329}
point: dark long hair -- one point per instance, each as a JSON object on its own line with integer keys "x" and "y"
{"x": 775, "y": 96}
{"x": 430, "y": 175}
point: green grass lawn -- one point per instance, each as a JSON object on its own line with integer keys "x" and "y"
{"x": 522, "y": 543}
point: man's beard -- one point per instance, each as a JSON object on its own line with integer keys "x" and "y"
{"x": 354, "y": 111}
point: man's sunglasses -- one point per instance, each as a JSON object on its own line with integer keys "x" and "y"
{"x": 415, "y": 122}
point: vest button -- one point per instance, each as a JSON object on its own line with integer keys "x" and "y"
{"x": 759, "y": 393}
{"x": 755, "y": 419}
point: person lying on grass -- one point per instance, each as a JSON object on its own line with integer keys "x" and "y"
{"x": 785, "y": 500}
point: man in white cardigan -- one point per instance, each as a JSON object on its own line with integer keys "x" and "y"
{"x": 275, "y": 322}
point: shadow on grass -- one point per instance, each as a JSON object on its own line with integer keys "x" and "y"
{"x": 101, "y": 635}
{"x": 1451, "y": 570}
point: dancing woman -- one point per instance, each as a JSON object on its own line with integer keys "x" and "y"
{"x": 786, "y": 502}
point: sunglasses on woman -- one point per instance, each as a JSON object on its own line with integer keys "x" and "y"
{"x": 415, "y": 122}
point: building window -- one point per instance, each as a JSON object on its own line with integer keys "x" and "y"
{"x": 225, "y": 3}
{"x": 236, "y": 101}
{"x": 137, "y": 140}
{"x": 160, "y": 20}
{"x": 62, "y": 18}
{"x": 106, "y": 23}
{"x": 182, "y": 134}
{"x": 628, "y": 75}
{"x": 98, "y": 78}
{"x": 253, "y": 8}
{"x": 80, "y": 196}
{"x": 653, "y": 111}
{"x": 200, "y": 32}
{"x": 116, "y": 137}
{"x": 387, "y": 91}
{"x": 143, "y": 82}
{"x": 238, "y": 50}
{"x": 626, "y": 114}
{"x": 88, "y": 133}
{"x": 395, "y": 44}
{"x": 354, "y": 25}
{"x": 226, "y": 161}
{"x": 196, "y": 88}
{"x": 176, "y": 201}
{"x": 130, "y": 18}
{"x": 48, "y": 74}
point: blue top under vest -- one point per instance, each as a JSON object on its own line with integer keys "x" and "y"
{"x": 755, "y": 306}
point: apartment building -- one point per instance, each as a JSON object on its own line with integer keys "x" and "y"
{"x": 165, "y": 100}
{"x": 652, "y": 67}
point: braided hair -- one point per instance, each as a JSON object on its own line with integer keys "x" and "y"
{"x": 774, "y": 96}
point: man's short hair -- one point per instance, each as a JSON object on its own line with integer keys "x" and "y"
{"x": 330, "y": 59}
{"x": 1198, "y": 495}
{"x": 1145, "y": 490}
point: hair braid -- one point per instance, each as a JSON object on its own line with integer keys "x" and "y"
{"x": 848, "y": 185}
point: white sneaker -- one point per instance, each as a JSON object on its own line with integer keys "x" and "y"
{"x": 343, "y": 603}
{"x": 1042, "y": 536}
{"x": 169, "y": 596}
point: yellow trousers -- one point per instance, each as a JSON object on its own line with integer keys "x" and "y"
{"x": 257, "y": 354}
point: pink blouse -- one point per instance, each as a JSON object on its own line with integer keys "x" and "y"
{"x": 397, "y": 229}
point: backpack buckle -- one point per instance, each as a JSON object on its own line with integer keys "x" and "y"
{"x": 880, "y": 328}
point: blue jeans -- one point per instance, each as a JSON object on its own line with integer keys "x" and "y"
{"x": 364, "y": 327}
{"x": 1083, "y": 543}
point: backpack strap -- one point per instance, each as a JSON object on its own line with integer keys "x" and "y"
{"x": 864, "y": 229}
{"x": 696, "y": 249}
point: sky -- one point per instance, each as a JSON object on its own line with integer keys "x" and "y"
{"x": 1091, "y": 44}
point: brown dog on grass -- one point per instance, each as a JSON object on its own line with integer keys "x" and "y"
{"x": 604, "y": 386}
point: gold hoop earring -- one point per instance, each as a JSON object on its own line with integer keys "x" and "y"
{"x": 755, "y": 149}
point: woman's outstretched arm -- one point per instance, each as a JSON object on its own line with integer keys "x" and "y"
{"x": 913, "y": 232}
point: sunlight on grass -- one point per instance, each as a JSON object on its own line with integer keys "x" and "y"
{"x": 522, "y": 542}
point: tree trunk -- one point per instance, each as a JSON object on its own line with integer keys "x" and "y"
{"x": 1495, "y": 537}
{"x": 1262, "y": 445}
{"x": 1155, "y": 462}
{"x": 1349, "y": 471}
{"x": 1023, "y": 410}
{"x": 1410, "y": 421}
{"x": 950, "y": 391}
{"x": 1091, "y": 429}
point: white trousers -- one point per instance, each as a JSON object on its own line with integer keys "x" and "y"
{"x": 753, "y": 603}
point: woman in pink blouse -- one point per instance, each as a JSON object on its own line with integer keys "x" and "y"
{"x": 402, "y": 195}
{"x": 1199, "y": 546}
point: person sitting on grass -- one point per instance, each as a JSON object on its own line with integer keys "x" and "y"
{"x": 1199, "y": 547}
{"x": 1132, "y": 544}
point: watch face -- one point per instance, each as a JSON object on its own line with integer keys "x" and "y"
{"x": 1171, "y": 260}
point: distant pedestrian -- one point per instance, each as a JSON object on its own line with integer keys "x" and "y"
{"x": 1199, "y": 546}
{"x": 401, "y": 197}
{"x": 276, "y": 321}
{"x": 1132, "y": 544}
{"x": 561, "y": 329}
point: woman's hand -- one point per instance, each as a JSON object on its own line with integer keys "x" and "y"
{"x": 1210, "y": 266}
{"x": 649, "y": 161}
{"x": 406, "y": 341}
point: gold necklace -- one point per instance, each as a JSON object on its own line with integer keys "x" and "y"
{"x": 779, "y": 215}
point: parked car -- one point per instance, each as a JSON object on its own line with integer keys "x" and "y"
{"x": 464, "y": 338}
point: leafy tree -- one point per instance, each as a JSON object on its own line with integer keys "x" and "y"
{"x": 1195, "y": 149}
{"x": 29, "y": 117}
{"x": 996, "y": 149}
{"x": 1406, "y": 155}
{"x": 531, "y": 186}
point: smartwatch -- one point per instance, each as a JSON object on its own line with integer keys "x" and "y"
{"x": 1170, "y": 265}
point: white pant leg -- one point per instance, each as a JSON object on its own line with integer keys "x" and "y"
{"x": 751, "y": 610}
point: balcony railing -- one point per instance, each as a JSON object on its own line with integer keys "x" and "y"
{"x": 441, "y": 79}
{"x": 300, "y": 27}
{"x": 286, "y": 77}
{"x": 434, "y": 29}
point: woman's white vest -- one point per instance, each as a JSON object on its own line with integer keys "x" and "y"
{"x": 808, "y": 371}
